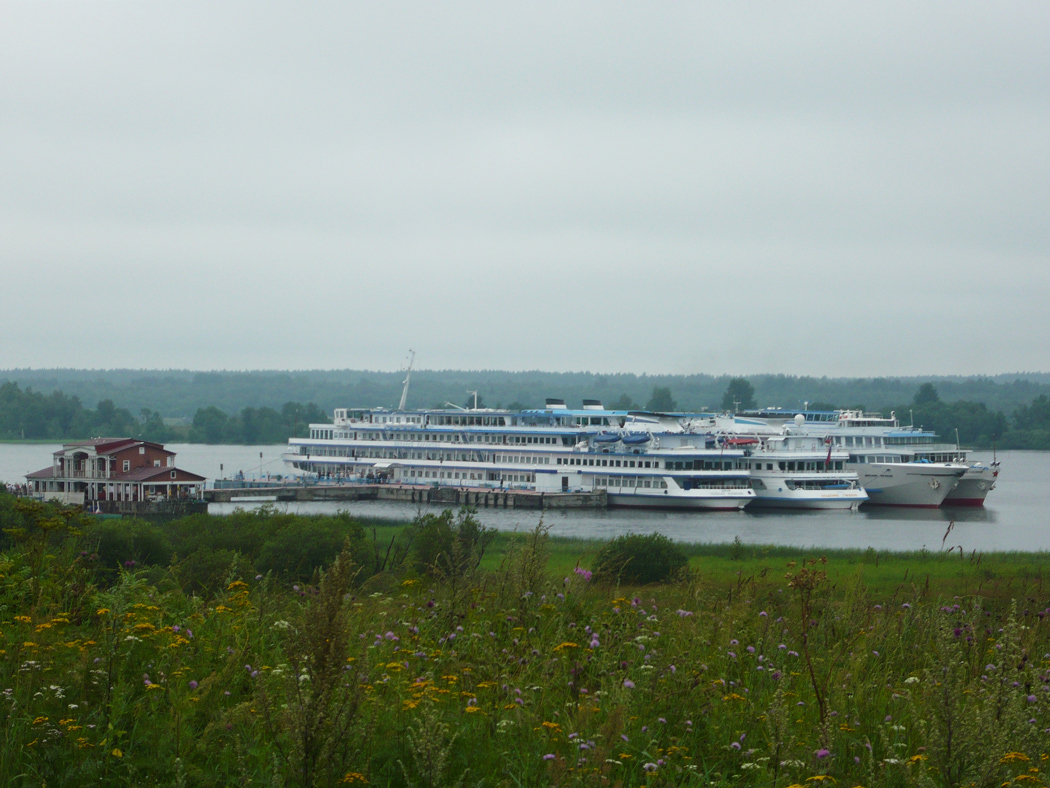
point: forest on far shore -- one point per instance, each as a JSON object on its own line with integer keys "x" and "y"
{"x": 241, "y": 414}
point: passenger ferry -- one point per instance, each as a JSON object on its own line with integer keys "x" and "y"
{"x": 896, "y": 465}
{"x": 802, "y": 472}
{"x": 638, "y": 459}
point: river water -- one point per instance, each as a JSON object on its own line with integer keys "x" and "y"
{"x": 1015, "y": 517}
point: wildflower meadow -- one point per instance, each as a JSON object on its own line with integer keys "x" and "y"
{"x": 433, "y": 655}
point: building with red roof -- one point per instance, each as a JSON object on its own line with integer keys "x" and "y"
{"x": 114, "y": 469}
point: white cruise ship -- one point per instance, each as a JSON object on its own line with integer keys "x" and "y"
{"x": 897, "y": 466}
{"x": 642, "y": 460}
{"x": 802, "y": 472}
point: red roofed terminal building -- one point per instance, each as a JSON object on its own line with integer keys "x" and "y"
{"x": 114, "y": 469}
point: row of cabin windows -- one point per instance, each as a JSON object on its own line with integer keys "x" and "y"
{"x": 799, "y": 465}
{"x": 608, "y": 463}
{"x": 704, "y": 465}
{"x": 475, "y": 476}
{"x": 629, "y": 481}
{"x": 469, "y": 421}
{"x": 544, "y": 440}
{"x": 875, "y": 441}
{"x": 525, "y": 459}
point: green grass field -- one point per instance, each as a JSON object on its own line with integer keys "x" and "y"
{"x": 209, "y": 652}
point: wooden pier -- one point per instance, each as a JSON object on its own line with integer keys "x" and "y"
{"x": 450, "y": 496}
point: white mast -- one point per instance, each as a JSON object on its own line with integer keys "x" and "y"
{"x": 408, "y": 376}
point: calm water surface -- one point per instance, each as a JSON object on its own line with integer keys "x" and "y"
{"x": 1016, "y": 516}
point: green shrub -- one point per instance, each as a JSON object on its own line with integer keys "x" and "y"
{"x": 444, "y": 544}
{"x": 294, "y": 552}
{"x": 127, "y": 543}
{"x": 638, "y": 559}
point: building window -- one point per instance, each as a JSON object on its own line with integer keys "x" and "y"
{"x": 173, "y": 474}
{"x": 127, "y": 465}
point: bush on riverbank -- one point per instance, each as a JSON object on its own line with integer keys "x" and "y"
{"x": 639, "y": 559}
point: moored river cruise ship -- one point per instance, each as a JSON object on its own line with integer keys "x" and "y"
{"x": 897, "y": 465}
{"x": 637, "y": 459}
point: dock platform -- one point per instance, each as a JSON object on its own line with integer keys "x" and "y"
{"x": 451, "y": 496}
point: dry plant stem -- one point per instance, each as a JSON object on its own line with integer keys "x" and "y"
{"x": 806, "y": 582}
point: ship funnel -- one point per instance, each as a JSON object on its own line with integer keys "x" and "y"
{"x": 555, "y": 404}
{"x": 593, "y": 404}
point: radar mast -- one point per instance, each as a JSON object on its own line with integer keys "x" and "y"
{"x": 408, "y": 376}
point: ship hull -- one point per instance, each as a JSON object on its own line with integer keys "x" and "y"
{"x": 810, "y": 500}
{"x": 907, "y": 484}
{"x": 973, "y": 487}
{"x": 712, "y": 500}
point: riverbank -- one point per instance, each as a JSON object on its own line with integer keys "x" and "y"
{"x": 218, "y": 664}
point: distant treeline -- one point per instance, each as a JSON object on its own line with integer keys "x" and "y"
{"x": 26, "y": 414}
{"x": 1012, "y": 412}
{"x": 180, "y": 393}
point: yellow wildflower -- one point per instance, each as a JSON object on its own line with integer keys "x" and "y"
{"x": 1010, "y": 757}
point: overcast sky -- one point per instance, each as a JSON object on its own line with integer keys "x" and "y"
{"x": 824, "y": 189}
